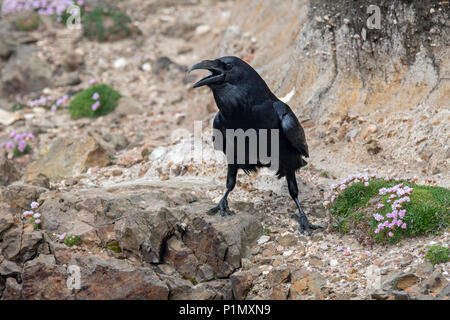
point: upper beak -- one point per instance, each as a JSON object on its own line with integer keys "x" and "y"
{"x": 216, "y": 76}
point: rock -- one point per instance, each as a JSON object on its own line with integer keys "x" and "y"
{"x": 13, "y": 290}
{"x": 44, "y": 281}
{"x": 8, "y": 172}
{"x": 400, "y": 295}
{"x": 67, "y": 157}
{"x": 334, "y": 263}
{"x": 127, "y": 106}
{"x": 40, "y": 180}
{"x": 20, "y": 195}
{"x": 287, "y": 240}
{"x": 118, "y": 141}
{"x": 279, "y": 275}
{"x": 263, "y": 240}
{"x": 182, "y": 258}
{"x": 9, "y": 268}
{"x": 406, "y": 281}
{"x": 114, "y": 279}
{"x": 434, "y": 284}
{"x": 130, "y": 158}
{"x": 280, "y": 292}
{"x": 8, "y": 118}
{"x": 26, "y": 72}
{"x": 424, "y": 270}
{"x": 241, "y": 284}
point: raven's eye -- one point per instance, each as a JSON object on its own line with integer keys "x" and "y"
{"x": 228, "y": 66}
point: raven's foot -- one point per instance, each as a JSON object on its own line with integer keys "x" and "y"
{"x": 223, "y": 208}
{"x": 305, "y": 224}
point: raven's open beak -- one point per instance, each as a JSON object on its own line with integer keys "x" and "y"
{"x": 217, "y": 74}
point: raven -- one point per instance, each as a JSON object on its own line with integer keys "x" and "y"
{"x": 246, "y": 102}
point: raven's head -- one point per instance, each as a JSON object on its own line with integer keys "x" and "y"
{"x": 225, "y": 70}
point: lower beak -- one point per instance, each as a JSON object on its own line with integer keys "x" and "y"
{"x": 216, "y": 76}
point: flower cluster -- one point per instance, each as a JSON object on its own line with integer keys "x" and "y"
{"x": 351, "y": 179}
{"x": 44, "y": 101}
{"x": 96, "y": 104}
{"x": 43, "y": 7}
{"x": 399, "y": 194}
{"x": 18, "y": 143}
{"x": 35, "y": 217}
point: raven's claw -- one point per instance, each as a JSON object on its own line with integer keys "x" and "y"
{"x": 223, "y": 208}
{"x": 305, "y": 224}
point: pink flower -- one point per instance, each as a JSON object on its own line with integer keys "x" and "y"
{"x": 36, "y": 215}
{"x": 22, "y": 145}
{"x": 92, "y": 81}
{"x": 390, "y": 234}
{"x": 37, "y": 221}
{"x": 347, "y": 252}
{"x": 63, "y": 236}
{"x": 366, "y": 184}
{"x": 95, "y": 106}
{"x": 402, "y": 213}
{"x": 10, "y": 145}
{"x": 339, "y": 248}
{"x": 404, "y": 226}
{"x": 368, "y": 253}
{"x": 378, "y": 217}
{"x": 377, "y": 231}
{"x": 28, "y": 213}
{"x": 380, "y": 206}
{"x": 96, "y": 96}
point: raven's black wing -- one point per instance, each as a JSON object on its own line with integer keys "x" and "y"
{"x": 291, "y": 128}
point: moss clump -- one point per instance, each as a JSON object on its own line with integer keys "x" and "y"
{"x": 437, "y": 254}
{"x": 106, "y": 24}
{"x": 81, "y": 104}
{"x": 426, "y": 212}
{"x": 114, "y": 247}
{"x": 72, "y": 240}
{"x": 28, "y": 21}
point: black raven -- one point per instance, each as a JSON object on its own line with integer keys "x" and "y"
{"x": 246, "y": 102}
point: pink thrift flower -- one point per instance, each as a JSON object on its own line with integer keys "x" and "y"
{"x": 34, "y": 205}
{"x": 10, "y": 145}
{"x": 380, "y": 206}
{"x": 36, "y": 215}
{"x": 390, "y": 234}
{"x": 63, "y": 236}
{"x": 28, "y": 213}
{"x": 95, "y": 106}
{"x": 339, "y": 248}
{"x": 404, "y": 226}
{"x": 96, "y": 96}
{"x": 366, "y": 184}
{"x": 37, "y": 221}
{"x": 368, "y": 253}
{"x": 377, "y": 231}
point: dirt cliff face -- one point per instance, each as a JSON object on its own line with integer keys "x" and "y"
{"x": 333, "y": 66}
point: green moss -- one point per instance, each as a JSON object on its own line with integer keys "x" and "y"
{"x": 71, "y": 240}
{"x": 437, "y": 254}
{"x": 192, "y": 280}
{"x": 428, "y": 212}
{"x": 104, "y": 23}
{"x": 81, "y": 104}
{"x": 114, "y": 246}
{"x": 324, "y": 174}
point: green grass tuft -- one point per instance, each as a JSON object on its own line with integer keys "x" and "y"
{"x": 81, "y": 104}
{"x": 437, "y": 254}
{"x": 71, "y": 240}
{"x": 104, "y": 24}
{"x": 114, "y": 246}
{"x": 428, "y": 212}
{"x": 28, "y": 21}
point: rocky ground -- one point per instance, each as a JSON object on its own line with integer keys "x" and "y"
{"x": 131, "y": 187}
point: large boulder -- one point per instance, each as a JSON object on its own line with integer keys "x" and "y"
{"x": 67, "y": 157}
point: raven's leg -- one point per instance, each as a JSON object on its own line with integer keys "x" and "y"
{"x": 301, "y": 219}
{"x": 231, "y": 182}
